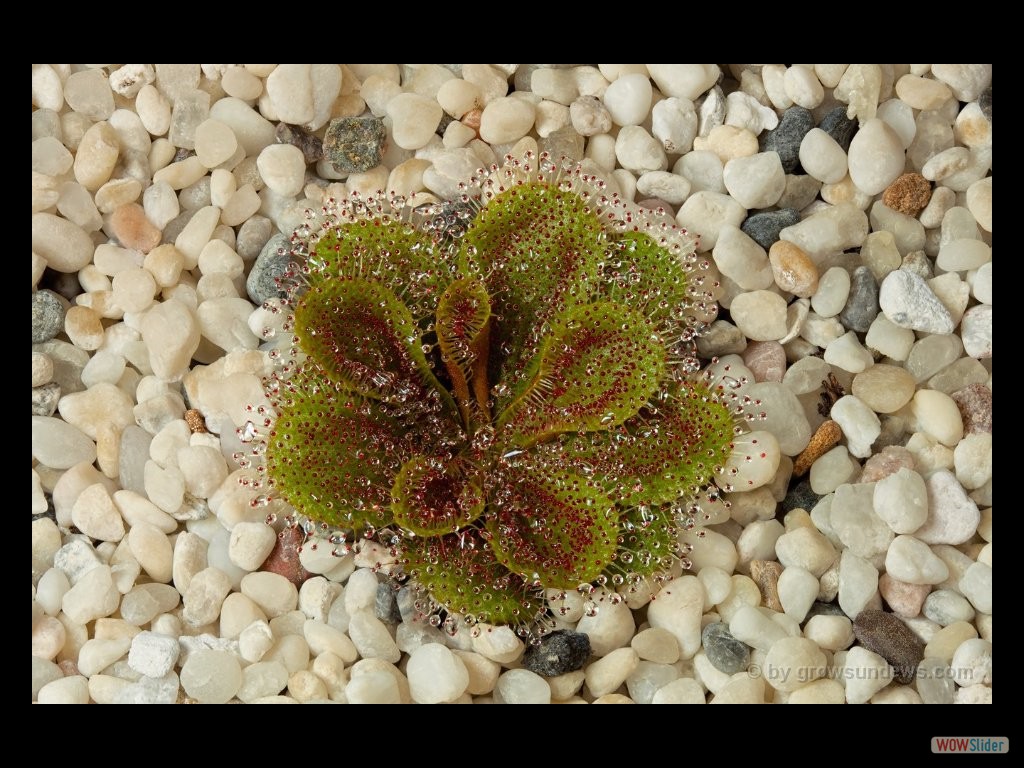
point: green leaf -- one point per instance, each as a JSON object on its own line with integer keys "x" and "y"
{"x": 461, "y": 574}
{"x": 665, "y": 452}
{"x": 365, "y": 338}
{"x": 333, "y": 456}
{"x": 597, "y": 368}
{"x": 648, "y": 542}
{"x": 553, "y": 527}
{"x": 645, "y": 276}
{"x": 388, "y": 252}
{"x": 463, "y": 336}
{"x": 431, "y": 497}
{"x": 537, "y": 248}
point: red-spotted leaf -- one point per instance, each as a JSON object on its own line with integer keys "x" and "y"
{"x": 643, "y": 275}
{"x": 365, "y": 338}
{"x": 463, "y": 335}
{"x": 431, "y": 497}
{"x": 596, "y": 369}
{"x": 537, "y": 248}
{"x": 387, "y": 252}
{"x": 553, "y": 526}
{"x": 668, "y": 451}
{"x": 333, "y": 456}
{"x": 461, "y": 574}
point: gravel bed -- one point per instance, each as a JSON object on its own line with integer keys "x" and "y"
{"x": 847, "y": 213}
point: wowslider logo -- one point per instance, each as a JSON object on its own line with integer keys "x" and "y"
{"x": 970, "y": 744}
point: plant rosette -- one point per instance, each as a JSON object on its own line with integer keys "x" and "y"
{"x": 502, "y": 391}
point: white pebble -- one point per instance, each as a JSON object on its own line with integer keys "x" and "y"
{"x": 505, "y": 120}
{"x": 271, "y": 592}
{"x": 93, "y": 596}
{"x": 153, "y": 654}
{"x": 756, "y": 181}
{"x": 822, "y": 157}
{"x": 859, "y": 424}
{"x": 436, "y": 675}
{"x": 678, "y": 608}
{"x": 798, "y": 589}
{"x": 211, "y": 676}
{"x": 744, "y": 111}
{"x": 687, "y": 81}
{"x": 638, "y": 151}
{"x": 976, "y": 586}
{"x": 876, "y": 157}
{"x": 847, "y": 353}
{"x": 802, "y": 87}
{"x": 94, "y": 514}
{"x": 674, "y": 124}
{"x": 760, "y": 315}
{"x": 66, "y": 690}
{"x": 608, "y": 673}
{"x": 628, "y": 99}
{"x": 282, "y": 167}
{"x": 215, "y": 143}
{"x": 866, "y": 673}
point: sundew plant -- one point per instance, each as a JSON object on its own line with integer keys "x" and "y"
{"x": 502, "y": 391}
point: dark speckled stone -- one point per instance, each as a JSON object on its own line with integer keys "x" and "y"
{"x": 888, "y": 636}
{"x": 560, "y": 652}
{"x": 763, "y": 228}
{"x": 271, "y": 264}
{"x": 725, "y": 652}
{"x": 862, "y": 307}
{"x": 785, "y": 138}
{"x": 354, "y": 144}
{"x": 841, "y": 128}
{"x": 800, "y": 496}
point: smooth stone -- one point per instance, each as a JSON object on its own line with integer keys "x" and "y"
{"x": 910, "y": 560}
{"x": 876, "y": 157}
{"x": 786, "y": 137}
{"x": 907, "y": 301}
{"x": 889, "y": 637}
{"x": 724, "y": 651}
{"x": 764, "y": 226}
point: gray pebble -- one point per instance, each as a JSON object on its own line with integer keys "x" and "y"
{"x": 935, "y": 682}
{"x": 64, "y": 284}
{"x": 820, "y": 608}
{"x": 354, "y": 144}
{"x": 785, "y": 138}
{"x": 442, "y": 126}
{"x": 312, "y": 146}
{"x": 763, "y": 228}
{"x": 44, "y": 399}
{"x": 252, "y": 236}
{"x": 270, "y": 265}
{"x": 725, "y": 652}
{"x": 800, "y": 496}
{"x": 558, "y": 653}
{"x": 721, "y": 338}
{"x": 841, "y": 128}
{"x": 48, "y": 310}
{"x": 985, "y": 102}
{"x": 386, "y": 605}
{"x": 405, "y": 601}
{"x": 564, "y": 142}
{"x": 862, "y": 306}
